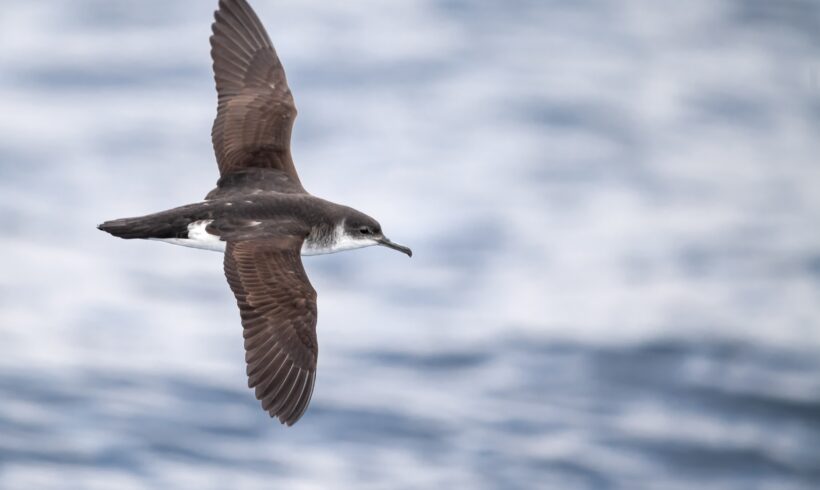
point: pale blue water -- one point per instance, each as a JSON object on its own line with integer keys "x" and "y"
{"x": 613, "y": 206}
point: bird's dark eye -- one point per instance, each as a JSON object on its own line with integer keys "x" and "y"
{"x": 364, "y": 231}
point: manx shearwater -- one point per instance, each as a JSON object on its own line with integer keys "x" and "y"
{"x": 260, "y": 216}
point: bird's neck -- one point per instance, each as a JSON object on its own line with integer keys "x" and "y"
{"x": 329, "y": 239}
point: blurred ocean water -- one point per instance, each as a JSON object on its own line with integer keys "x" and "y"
{"x": 614, "y": 208}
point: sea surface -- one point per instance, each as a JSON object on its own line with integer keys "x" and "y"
{"x": 614, "y": 208}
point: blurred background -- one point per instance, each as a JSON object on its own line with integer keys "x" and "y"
{"x": 614, "y": 208}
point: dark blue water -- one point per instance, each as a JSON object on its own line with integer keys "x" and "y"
{"x": 613, "y": 207}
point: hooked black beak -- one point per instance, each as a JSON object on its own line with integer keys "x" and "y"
{"x": 395, "y": 246}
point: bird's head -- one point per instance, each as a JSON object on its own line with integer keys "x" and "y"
{"x": 360, "y": 230}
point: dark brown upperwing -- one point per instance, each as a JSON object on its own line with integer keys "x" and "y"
{"x": 278, "y": 309}
{"x": 250, "y": 181}
{"x": 256, "y": 110}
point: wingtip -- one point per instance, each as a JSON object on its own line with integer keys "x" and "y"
{"x": 283, "y": 419}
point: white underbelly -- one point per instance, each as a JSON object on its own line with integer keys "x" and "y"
{"x": 198, "y": 237}
{"x": 220, "y": 246}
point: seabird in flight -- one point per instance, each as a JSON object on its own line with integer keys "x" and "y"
{"x": 260, "y": 216}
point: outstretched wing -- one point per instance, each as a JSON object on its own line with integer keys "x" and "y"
{"x": 256, "y": 111}
{"x": 278, "y": 309}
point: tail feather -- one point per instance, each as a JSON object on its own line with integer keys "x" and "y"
{"x": 172, "y": 223}
{"x": 125, "y": 228}
{"x": 146, "y": 227}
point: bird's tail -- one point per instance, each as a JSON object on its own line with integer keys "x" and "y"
{"x": 172, "y": 223}
{"x": 128, "y": 228}
{"x": 151, "y": 226}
